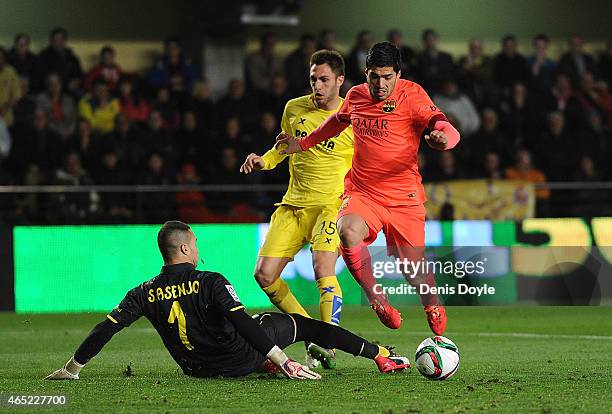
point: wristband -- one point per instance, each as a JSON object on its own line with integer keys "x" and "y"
{"x": 277, "y": 356}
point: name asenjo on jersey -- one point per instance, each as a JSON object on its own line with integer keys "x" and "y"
{"x": 373, "y": 127}
{"x": 173, "y": 291}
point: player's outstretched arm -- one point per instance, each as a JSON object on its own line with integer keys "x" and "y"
{"x": 331, "y": 127}
{"x": 252, "y": 163}
{"x": 91, "y": 346}
{"x": 443, "y": 137}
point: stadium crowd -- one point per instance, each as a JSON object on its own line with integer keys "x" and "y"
{"x": 528, "y": 117}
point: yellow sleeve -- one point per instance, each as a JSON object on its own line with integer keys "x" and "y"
{"x": 16, "y": 92}
{"x": 85, "y": 110}
{"x": 272, "y": 158}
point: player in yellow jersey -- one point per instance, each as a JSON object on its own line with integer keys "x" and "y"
{"x": 308, "y": 211}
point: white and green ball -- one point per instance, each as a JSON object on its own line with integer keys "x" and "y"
{"x": 437, "y": 358}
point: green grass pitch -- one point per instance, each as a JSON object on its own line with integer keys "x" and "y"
{"x": 513, "y": 359}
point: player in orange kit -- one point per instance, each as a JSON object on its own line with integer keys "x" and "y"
{"x": 383, "y": 189}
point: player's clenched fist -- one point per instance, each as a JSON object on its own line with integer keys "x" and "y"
{"x": 437, "y": 140}
{"x": 286, "y": 144}
{"x": 252, "y": 162}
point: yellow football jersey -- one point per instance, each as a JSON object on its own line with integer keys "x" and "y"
{"x": 316, "y": 175}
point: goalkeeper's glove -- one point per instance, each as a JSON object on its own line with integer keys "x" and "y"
{"x": 291, "y": 369}
{"x": 70, "y": 371}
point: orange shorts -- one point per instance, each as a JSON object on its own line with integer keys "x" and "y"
{"x": 403, "y": 226}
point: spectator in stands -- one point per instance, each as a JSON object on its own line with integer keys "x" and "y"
{"x": 564, "y": 100}
{"x": 557, "y": 149}
{"x": 517, "y": 116}
{"x": 227, "y": 174}
{"x": 10, "y": 89}
{"x": 447, "y": 168}
{"x": 238, "y": 103}
{"x": 492, "y": 166}
{"x": 99, "y": 108}
{"x": 234, "y": 137}
{"x": 6, "y": 141}
{"x": 168, "y": 108}
{"x": 171, "y": 63}
{"x": 278, "y": 95}
{"x": 409, "y": 61}
{"x": 588, "y": 203}
{"x": 451, "y": 100}
{"x": 475, "y": 74}
{"x": 58, "y": 106}
{"x": 190, "y": 205}
{"x": 73, "y": 207}
{"x": 524, "y": 170}
{"x": 124, "y": 142}
{"x": 543, "y": 68}
{"x": 156, "y": 139}
{"x": 594, "y": 96}
{"x": 596, "y": 141}
{"x": 21, "y": 58}
{"x": 327, "y": 40}
{"x": 115, "y": 206}
{"x": 297, "y": 65}
{"x": 85, "y": 144}
{"x": 576, "y": 61}
{"x": 36, "y": 144}
{"x": 107, "y": 70}
{"x": 264, "y": 138}
{"x": 156, "y": 207}
{"x": 433, "y": 65}
{"x": 59, "y": 59}
{"x": 204, "y": 107}
{"x": 488, "y": 139}
{"x": 132, "y": 104}
{"x": 605, "y": 63}
{"x": 263, "y": 64}
{"x": 356, "y": 60}
{"x": 191, "y": 141}
{"x": 23, "y": 110}
{"x": 510, "y": 67}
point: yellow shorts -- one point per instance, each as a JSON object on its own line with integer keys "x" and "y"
{"x": 292, "y": 227}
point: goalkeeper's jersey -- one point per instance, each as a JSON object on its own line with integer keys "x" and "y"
{"x": 316, "y": 175}
{"x": 187, "y": 308}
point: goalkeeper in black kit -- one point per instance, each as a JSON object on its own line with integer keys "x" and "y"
{"x": 207, "y": 330}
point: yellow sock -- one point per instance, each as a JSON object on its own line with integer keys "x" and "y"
{"x": 280, "y": 295}
{"x": 330, "y": 303}
{"x": 382, "y": 351}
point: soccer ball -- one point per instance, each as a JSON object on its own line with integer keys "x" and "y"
{"x": 437, "y": 358}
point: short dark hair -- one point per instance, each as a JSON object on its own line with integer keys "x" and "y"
{"x": 171, "y": 39}
{"x": 58, "y": 30}
{"x": 20, "y": 35}
{"x": 541, "y": 36}
{"x": 382, "y": 55}
{"x": 393, "y": 32}
{"x": 330, "y": 57}
{"x": 166, "y": 239}
{"x": 508, "y": 37}
{"x": 428, "y": 32}
{"x": 106, "y": 49}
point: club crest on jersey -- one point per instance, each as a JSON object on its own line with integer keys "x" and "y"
{"x": 389, "y": 105}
